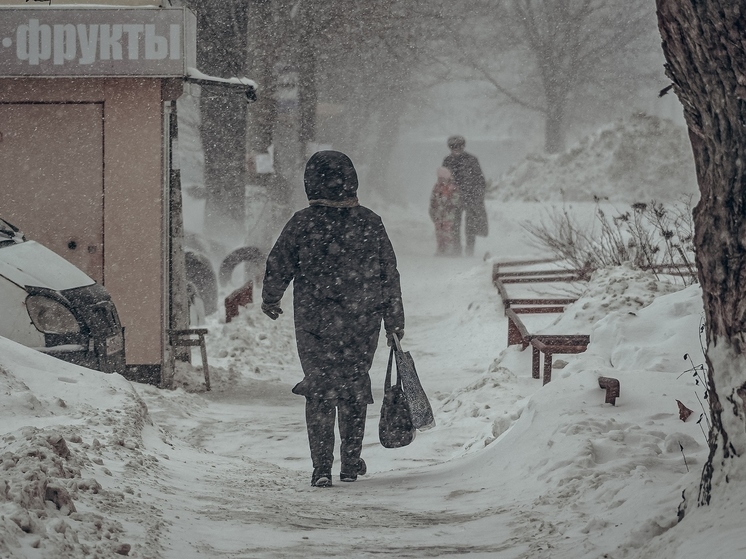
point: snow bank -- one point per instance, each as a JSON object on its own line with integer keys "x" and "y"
{"x": 68, "y": 436}
{"x": 637, "y": 159}
{"x": 576, "y": 469}
{"x": 611, "y": 290}
{"x": 249, "y": 346}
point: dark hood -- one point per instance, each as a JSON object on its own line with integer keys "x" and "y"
{"x": 330, "y": 175}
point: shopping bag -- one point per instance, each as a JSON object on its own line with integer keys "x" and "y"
{"x": 419, "y": 405}
{"x": 395, "y": 427}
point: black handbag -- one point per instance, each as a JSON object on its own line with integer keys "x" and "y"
{"x": 395, "y": 428}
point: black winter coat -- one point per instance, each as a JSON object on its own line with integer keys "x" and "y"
{"x": 346, "y": 281}
{"x": 467, "y": 174}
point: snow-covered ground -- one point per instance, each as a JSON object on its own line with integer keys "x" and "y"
{"x": 92, "y": 465}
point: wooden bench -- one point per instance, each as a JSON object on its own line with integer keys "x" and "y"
{"x": 541, "y": 344}
{"x": 500, "y": 271}
{"x": 543, "y": 276}
{"x": 548, "y": 345}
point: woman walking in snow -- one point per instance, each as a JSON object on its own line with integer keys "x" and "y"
{"x": 445, "y": 209}
{"x": 346, "y": 282}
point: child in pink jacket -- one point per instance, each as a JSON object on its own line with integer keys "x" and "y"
{"x": 445, "y": 203}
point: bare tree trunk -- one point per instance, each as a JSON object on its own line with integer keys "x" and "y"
{"x": 307, "y": 90}
{"x": 221, "y": 41}
{"x": 554, "y": 123}
{"x": 706, "y": 60}
{"x": 263, "y": 113}
{"x": 382, "y": 150}
{"x": 223, "y": 133}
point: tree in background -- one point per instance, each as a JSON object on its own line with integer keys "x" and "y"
{"x": 550, "y": 57}
{"x": 346, "y": 73}
{"x": 364, "y": 57}
{"x": 339, "y": 72}
{"x": 706, "y": 61}
{"x": 222, "y": 52}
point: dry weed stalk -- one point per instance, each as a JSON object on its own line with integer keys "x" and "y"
{"x": 650, "y": 235}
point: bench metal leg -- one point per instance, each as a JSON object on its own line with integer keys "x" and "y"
{"x": 612, "y": 389}
{"x": 514, "y": 335}
{"x": 167, "y": 381}
{"x": 547, "y": 367}
{"x": 535, "y": 362}
{"x": 203, "y": 351}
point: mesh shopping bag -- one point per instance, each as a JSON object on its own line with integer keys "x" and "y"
{"x": 419, "y": 405}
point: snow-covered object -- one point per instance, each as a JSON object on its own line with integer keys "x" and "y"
{"x": 30, "y": 263}
{"x": 637, "y": 159}
{"x": 622, "y": 288}
{"x": 194, "y": 74}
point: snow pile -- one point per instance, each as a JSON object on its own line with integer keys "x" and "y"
{"x": 637, "y": 159}
{"x": 579, "y": 470}
{"x": 72, "y": 453}
{"x": 250, "y": 345}
{"x": 610, "y": 290}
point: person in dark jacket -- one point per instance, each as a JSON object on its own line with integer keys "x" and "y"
{"x": 346, "y": 282}
{"x": 467, "y": 174}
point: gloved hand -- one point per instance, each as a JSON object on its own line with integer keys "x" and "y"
{"x": 272, "y": 310}
{"x": 398, "y": 332}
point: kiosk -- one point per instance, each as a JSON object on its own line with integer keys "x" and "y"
{"x": 87, "y": 113}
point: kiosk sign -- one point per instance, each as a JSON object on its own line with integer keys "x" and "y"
{"x": 96, "y": 42}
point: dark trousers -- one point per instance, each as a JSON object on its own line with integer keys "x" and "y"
{"x": 469, "y": 235}
{"x": 457, "y": 231}
{"x": 320, "y": 415}
{"x": 471, "y": 239}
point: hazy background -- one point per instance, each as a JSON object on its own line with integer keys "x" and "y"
{"x": 388, "y": 83}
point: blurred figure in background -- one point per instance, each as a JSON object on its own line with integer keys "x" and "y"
{"x": 445, "y": 210}
{"x": 470, "y": 183}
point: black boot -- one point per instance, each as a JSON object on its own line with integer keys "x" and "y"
{"x": 360, "y": 470}
{"x": 321, "y": 478}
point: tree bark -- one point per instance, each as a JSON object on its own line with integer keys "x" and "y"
{"x": 221, "y": 51}
{"x": 307, "y": 88}
{"x": 555, "y": 131}
{"x": 703, "y": 43}
{"x": 262, "y": 44}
